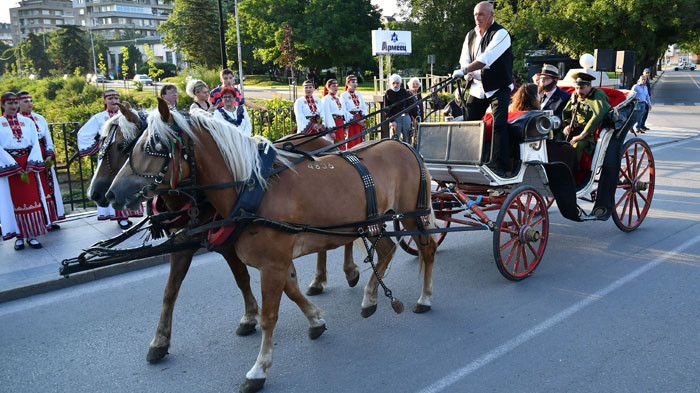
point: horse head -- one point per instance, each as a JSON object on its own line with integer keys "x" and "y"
{"x": 159, "y": 159}
{"x": 116, "y": 141}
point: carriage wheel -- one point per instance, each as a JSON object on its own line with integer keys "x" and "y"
{"x": 635, "y": 185}
{"x": 407, "y": 242}
{"x": 521, "y": 233}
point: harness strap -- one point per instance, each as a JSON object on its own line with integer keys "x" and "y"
{"x": 367, "y": 182}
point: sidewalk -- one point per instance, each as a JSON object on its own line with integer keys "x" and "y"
{"x": 29, "y": 272}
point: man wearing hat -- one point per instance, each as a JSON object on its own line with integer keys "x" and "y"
{"x": 552, "y": 98}
{"x": 583, "y": 114}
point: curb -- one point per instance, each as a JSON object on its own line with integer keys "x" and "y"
{"x": 658, "y": 77}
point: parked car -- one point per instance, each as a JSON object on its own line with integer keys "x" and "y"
{"x": 99, "y": 78}
{"x": 685, "y": 66}
{"x": 145, "y": 79}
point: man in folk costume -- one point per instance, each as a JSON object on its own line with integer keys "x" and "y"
{"x": 355, "y": 108}
{"x": 23, "y": 210}
{"x": 88, "y": 144}
{"x": 333, "y": 109}
{"x": 49, "y": 180}
{"x": 308, "y": 111}
{"x": 232, "y": 113}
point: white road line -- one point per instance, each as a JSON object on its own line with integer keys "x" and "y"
{"x": 485, "y": 359}
{"x": 693, "y": 79}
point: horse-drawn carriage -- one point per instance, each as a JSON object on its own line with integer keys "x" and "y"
{"x": 620, "y": 178}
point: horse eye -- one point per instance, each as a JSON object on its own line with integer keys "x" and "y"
{"x": 159, "y": 147}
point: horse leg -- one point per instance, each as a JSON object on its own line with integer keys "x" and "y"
{"x": 250, "y": 318}
{"x": 320, "y": 277}
{"x": 291, "y": 288}
{"x": 427, "y": 246}
{"x": 385, "y": 252}
{"x": 352, "y": 273}
{"x": 272, "y": 282}
{"x": 179, "y": 265}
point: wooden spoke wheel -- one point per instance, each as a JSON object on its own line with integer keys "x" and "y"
{"x": 408, "y": 243}
{"x": 520, "y": 237}
{"x": 635, "y": 185}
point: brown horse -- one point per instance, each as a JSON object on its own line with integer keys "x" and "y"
{"x": 305, "y": 194}
{"x": 116, "y": 136}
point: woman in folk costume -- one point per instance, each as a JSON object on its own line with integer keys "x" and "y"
{"x": 308, "y": 111}
{"x": 23, "y": 210}
{"x": 49, "y": 180}
{"x": 333, "y": 109}
{"x": 354, "y": 108}
{"x": 232, "y": 113}
{"x": 88, "y": 144}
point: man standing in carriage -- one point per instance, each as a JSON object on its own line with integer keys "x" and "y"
{"x": 355, "y": 108}
{"x": 552, "y": 98}
{"x": 308, "y": 111}
{"x": 23, "y": 210}
{"x": 49, "y": 180}
{"x": 89, "y": 143}
{"x": 487, "y": 56}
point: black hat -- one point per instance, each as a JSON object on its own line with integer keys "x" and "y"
{"x": 550, "y": 70}
{"x": 582, "y": 78}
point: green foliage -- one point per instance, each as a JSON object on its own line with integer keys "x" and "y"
{"x": 138, "y": 86}
{"x": 67, "y": 49}
{"x": 7, "y": 57}
{"x": 193, "y": 29}
{"x": 165, "y": 70}
{"x": 277, "y": 122}
{"x": 34, "y": 57}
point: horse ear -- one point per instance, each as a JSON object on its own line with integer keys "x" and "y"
{"x": 123, "y": 107}
{"x": 127, "y": 105}
{"x": 164, "y": 110}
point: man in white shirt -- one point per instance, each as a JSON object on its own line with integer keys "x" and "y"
{"x": 488, "y": 58}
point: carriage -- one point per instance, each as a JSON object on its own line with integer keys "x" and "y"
{"x": 466, "y": 192}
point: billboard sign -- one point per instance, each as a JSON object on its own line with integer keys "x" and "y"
{"x": 391, "y": 42}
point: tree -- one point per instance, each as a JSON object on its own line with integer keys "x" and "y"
{"x": 7, "y": 58}
{"x": 125, "y": 63}
{"x": 67, "y": 49}
{"x": 34, "y": 55}
{"x": 193, "y": 29}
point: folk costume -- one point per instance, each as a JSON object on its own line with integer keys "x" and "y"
{"x": 23, "y": 210}
{"x": 355, "y": 108}
{"x": 239, "y": 118}
{"x": 308, "y": 111}
{"x": 49, "y": 180}
{"x": 334, "y": 112}
{"x": 89, "y": 143}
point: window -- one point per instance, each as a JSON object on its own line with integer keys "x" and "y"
{"x": 168, "y": 57}
{"x": 59, "y": 22}
{"x": 47, "y": 21}
{"x": 45, "y": 12}
{"x": 59, "y": 12}
{"x": 122, "y": 21}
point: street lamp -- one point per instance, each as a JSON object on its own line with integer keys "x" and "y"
{"x": 238, "y": 41}
{"x": 92, "y": 45}
{"x": 222, "y": 30}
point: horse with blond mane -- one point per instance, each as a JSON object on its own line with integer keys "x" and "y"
{"x": 291, "y": 196}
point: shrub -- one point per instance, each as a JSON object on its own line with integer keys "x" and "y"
{"x": 139, "y": 86}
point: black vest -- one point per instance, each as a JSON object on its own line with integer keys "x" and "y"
{"x": 500, "y": 73}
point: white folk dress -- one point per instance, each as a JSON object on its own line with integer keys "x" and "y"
{"x": 308, "y": 111}
{"x": 243, "y": 123}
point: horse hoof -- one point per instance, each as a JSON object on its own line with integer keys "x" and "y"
{"x": 368, "y": 311}
{"x": 252, "y": 385}
{"x": 420, "y": 308}
{"x": 313, "y": 291}
{"x": 245, "y": 329}
{"x": 353, "y": 281}
{"x": 316, "y": 332}
{"x": 156, "y": 354}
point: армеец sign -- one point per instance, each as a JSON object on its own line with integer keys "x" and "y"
{"x": 391, "y": 42}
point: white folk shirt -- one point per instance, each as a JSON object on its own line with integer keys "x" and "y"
{"x": 245, "y": 127}
{"x": 332, "y": 106}
{"x": 88, "y": 142}
{"x": 498, "y": 45}
{"x": 43, "y": 132}
{"x": 302, "y": 110}
{"x": 350, "y": 105}
{"x": 8, "y": 167}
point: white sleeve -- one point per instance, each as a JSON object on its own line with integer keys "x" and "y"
{"x": 35, "y": 161}
{"x": 217, "y": 115}
{"x": 498, "y": 45}
{"x": 347, "y": 104}
{"x": 326, "y": 112}
{"x": 465, "y": 57}
{"x": 50, "y": 149}
{"x": 87, "y": 136}
{"x": 8, "y": 165}
{"x": 362, "y": 104}
{"x": 299, "y": 114}
{"x": 322, "y": 112}
{"x": 246, "y": 126}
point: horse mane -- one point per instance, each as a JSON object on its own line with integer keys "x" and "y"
{"x": 128, "y": 129}
{"x": 240, "y": 152}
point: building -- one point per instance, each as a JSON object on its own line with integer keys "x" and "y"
{"x": 6, "y": 34}
{"x": 161, "y": 53}
{"x": 39, "y": 16}
{"x": 114, "y": 19}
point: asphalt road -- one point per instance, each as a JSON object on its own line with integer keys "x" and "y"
{"x": 605, "y": 311}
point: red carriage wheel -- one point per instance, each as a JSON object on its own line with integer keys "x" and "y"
{"x": 521, "y": 233}
{"x": 635, "y": 185}
{"x": 407, "y": 242}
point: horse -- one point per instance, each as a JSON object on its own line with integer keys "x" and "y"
{"x": 291, "y": 196}
{"x": 117, "y": 137}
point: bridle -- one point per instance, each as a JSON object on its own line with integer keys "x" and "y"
{"x": 124, "y": 147}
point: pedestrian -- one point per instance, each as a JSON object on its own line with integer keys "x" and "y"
{"x": 226, "y": 77}
{"x": 333, "y": 111}
{"x": 89, "y": 142}
{"x": 414, "y": 87}
{"x": 355, "y": 108}
{"x": 49, "y": 179}
{"x": 23, "y": 211}
{"x": 199, "y": 91}
{"x": 642, "y": 94}
{"x": 487, "y": 56}
{"x": 308, "y": 111}
{"x": 232, "y": 113}
{"x": 397, "y": 99}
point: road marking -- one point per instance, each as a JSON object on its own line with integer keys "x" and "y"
{"x": 485, "y": 359}
{"x": 693, "y": 79}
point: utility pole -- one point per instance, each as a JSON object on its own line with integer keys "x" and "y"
{"x": 92, "y": 45}
{"x": 238, "y": 40}
{"x": 222, "y": 31}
